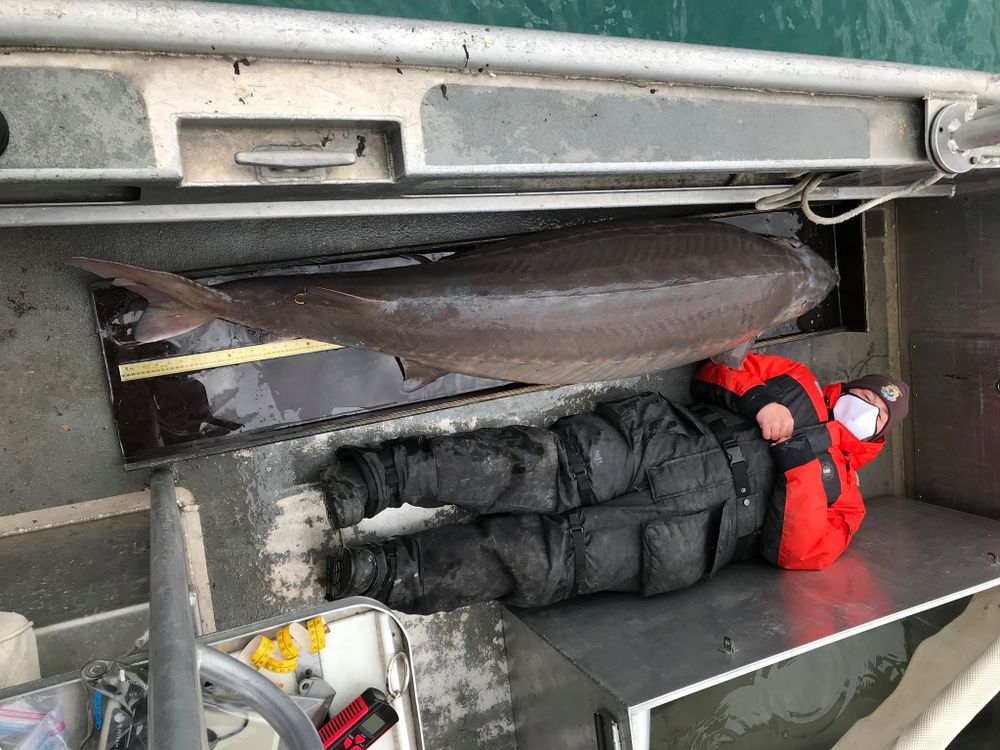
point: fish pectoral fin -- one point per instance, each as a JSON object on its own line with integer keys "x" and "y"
{"x": 734, "y": 357}
{"x": 416, "y": 374}
{"x": 164, "y": 320}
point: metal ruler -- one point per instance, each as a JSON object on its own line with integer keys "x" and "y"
{"x": 153, "y": 368}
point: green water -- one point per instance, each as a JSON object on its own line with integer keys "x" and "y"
{"x": 804, "y": 703}
{"x": 950, "y": 33}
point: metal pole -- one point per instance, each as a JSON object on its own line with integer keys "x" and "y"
{"x": 978, "y": 132}
{"x": 218, "y": 29}
{"x": 294, "y": 728}
{"x": 175, "y": 711}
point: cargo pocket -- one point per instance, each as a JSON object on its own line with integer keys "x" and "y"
{"x": 677, "y": 552}
{"x": 692, "y": 483}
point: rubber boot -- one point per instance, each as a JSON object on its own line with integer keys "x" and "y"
{"x": 360, "y": 484}
{"x": 367, "y": 570}
{"x": 345, "y": 494}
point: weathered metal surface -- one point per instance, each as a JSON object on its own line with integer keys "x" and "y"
{"x": 66, "y": 646}
{"x": 72, "y": 571}
{"x": 203, "y": 109}
{"x": 950, "y": 269}
{"x": 956, "y": 413}
{"x": 482, "y": 125}
{"x": 908, "y": 556}
{"x": 554, "y": 700}
{"x": 73, "y": 119}
{"x": 681, "y": 201}
{"x": 949, "y": 274}
{"x": 464, "y": 693}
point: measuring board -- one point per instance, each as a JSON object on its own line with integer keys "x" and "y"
{"x": 207, "y": 360}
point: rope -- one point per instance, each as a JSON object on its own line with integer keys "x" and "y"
{"x": 802, "y": 191}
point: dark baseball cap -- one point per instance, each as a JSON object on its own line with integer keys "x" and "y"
{"x": 894, "y": 392}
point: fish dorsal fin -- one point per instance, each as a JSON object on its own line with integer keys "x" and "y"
{"x": 176, "y": 304}
{"x": 734, "y": 357}
{"x": 416, "y": 374}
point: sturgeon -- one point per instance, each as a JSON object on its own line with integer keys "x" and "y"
{"x": 598, "y": 302}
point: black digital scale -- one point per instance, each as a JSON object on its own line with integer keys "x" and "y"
{"x": 361, "y": 723}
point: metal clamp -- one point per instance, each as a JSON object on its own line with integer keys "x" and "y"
{"x": 958, "y": 134}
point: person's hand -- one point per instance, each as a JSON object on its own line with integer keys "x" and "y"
{"x": 776, "y": 423}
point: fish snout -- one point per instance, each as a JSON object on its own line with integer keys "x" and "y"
{"x": 819, "y": 279}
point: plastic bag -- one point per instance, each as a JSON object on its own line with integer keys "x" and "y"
{"x": 27, "y": 726}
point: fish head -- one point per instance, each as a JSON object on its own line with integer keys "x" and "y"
{"x": 816, "y": 281}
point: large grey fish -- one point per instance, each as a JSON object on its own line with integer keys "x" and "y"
{"x": 598, "y": 302}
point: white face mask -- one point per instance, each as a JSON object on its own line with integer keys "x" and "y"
{"x": 857, "y": 415}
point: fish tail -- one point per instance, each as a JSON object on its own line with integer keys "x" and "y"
{"x": 176, "y": 304}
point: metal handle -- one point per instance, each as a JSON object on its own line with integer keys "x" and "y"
{"x": 292, "y": 158}
{"x": 4, "y": 133}
{"x": 608, "y": 733}
{"x": 291, "y": 724}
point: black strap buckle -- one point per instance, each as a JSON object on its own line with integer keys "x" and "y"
{"x": 738, "y": 465}
{"x": 735, "y": 454}
{"x": 389, "y": 470}
{"x": 583, "y": 484}
{"x": 716, "y": 422}
{"x": 579, "y": 550}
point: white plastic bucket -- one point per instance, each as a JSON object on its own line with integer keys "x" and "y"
{"x": 18, "y": 650}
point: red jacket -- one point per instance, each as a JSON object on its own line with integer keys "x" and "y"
{"x": 816, "y": 506}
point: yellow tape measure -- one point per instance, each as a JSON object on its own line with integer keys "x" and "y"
{"x": 263, "y": 653}
{"x": 264, "y": 658}
{"x": 286, "y": 645}
{"x": 317, "y": 634}
{"x": 153, "y": 368}
{"x": 280, "y": 666}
